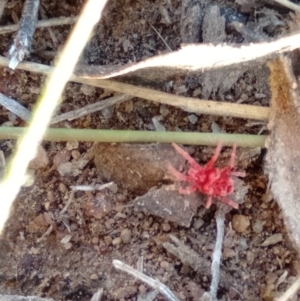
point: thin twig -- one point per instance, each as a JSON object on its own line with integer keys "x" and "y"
{"x": 163, "y": 289}
{"x": 23, "y": 40}
{"x": 291, "y": 291}
{"x": 22, "y": 298}
{"x": 20, "y": 111}
{"x": 14, "y": 107}
{"x": 288, "y": 4}
{"x": 92, "y": 187}
{"x": 49, "y": 230}
{"x": 91, "y": 108}
{"x": 123, "y": 136}
{"x": 97, "y": 296}
{"x": 199, "y": 264}
{"x": 70, "y": 200}
{"x": 217, "y": 254}
{"x": 50, "y": 96}
{"x": 40, "y": 24}
{"x": 169, "y": 48}
{"x": 189, "y": 104}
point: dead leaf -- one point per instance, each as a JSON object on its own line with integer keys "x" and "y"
{"x": 283, "y": 158}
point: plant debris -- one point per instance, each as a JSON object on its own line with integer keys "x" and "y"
{"x": 283, "y": 157}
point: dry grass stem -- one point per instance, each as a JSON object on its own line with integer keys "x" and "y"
{"x": 67, "y": 205}
{"x": 49, "y": 230}
{"x": 98, "y": 295}
{"x": 163, "y": 289}
{"x": 289, "y": 4}
{"x": 189, "y": 104}
{"x": 163, "y": 40}
{"x": 91, "y": 108}
{"x": 291, "y": 291}
{"x": 92, "y": 187}
{"x": 14, "y": 107}
{"x": 22, "y": 298}
{"x": 50, "y": 96}
{"x": 20, "y": 111}
{"x": 217, "y": 254}
{"x": 40, "y": 24}
{"x": 128, "y": 136}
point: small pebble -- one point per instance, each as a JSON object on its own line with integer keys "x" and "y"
{"x": 257, "y": 226}
{"x": 166, "y": 227}
{"x": 164, "y": 264}
{"x": 125, "y": 236}
{"x": 181, "y": 89}
{"x": 96, "y": 264}
{"x": 75, "y": 154}
{"x": 62, "y": 188}
{"x": 244, "y": 97}
{"x": 124, "y": 292}
{"x": 87, "y": 90}
{"x": 240, "y": 222}
{"x": 142, "y": 289}
{"x": 228, "y": 253}
{"x": 35, "y": 90}
{"x": 65, "y": 169}
{"x": 259, "y": 95}
{"x": 113, "y": 188}
{"x": 250, "y": 257}
{"x": 215, "y": 128}
{"x": 72, "y": 145}
{"x": 197, "y": 92}
{"x": 12, "y": 117}
{"x": 116, "y": 241}
{"x": 127, "y": 45}
{"x": 108, "y": 240}
{"x": 73, "y": 227}
{"x": 158, "y": 126}
{"x": 193, "y": 118}
{"x": 108, "y": 112}
{"x": 249, "y": 88}
{"x": 272, "y": 240}
{"x": 94, "y": 277}
{"x": 163, "y": 111}
{"x": 41, "y": 159}
{"x": 61, "y": 157}
{"x": 243, "y": 243}
{"x": 95, "y": 240}
{"x": 129, "y": 106}
{"x": 198, "y": 223}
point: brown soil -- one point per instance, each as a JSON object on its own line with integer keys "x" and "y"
{"x": 74, "y": 258}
